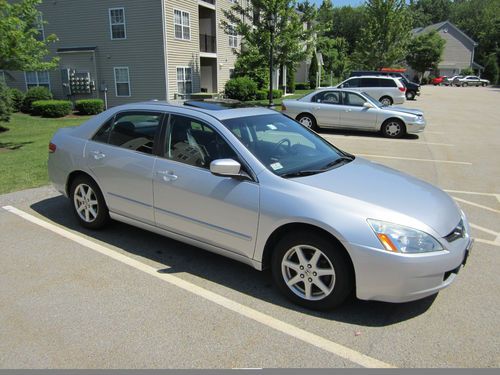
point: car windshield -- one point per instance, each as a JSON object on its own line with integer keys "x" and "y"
{"x": 285, "y": 147}
{"x": 373, "y": 100}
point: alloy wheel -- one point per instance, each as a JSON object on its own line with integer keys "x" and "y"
{"x": 306, "y": 121}
{"x": 308, "y": 272}
{"x": 86, "y": 204}
{"x": 393, "y": 129}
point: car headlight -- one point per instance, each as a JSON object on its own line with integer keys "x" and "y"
{"x": 401, "y": 239}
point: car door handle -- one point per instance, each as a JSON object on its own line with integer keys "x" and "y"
{"x": 347, "y": 110}
{"x": 167, "y": 175}
{"x": 316, "y": 108}
{"x": 98, "y": 155}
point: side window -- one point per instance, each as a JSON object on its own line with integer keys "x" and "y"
{"x": 387, "y": 83}
{"x": 351, "y": 83}
{"x": 193, "y": 142}
{"x": 369, "y": 82}
{"x": 331, "y": 97}
{"x": 131, "y": 130}
{"x": 353, "y": 99}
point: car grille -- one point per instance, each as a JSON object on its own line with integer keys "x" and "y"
{"x": 456, "y": 233}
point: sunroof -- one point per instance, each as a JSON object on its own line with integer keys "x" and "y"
{"x": 216, "y": 105}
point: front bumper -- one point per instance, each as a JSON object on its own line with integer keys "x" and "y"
{"x": 391, "y": 277}
{"x": 415, "y": 126}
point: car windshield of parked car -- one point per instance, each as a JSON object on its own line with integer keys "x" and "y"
{"x": 284, "y": 146}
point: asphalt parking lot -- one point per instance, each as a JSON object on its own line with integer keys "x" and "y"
{"x": 127, "y": 298}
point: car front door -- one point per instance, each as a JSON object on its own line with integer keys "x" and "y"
{"x": 121, "y": 158}
{"x": 191, "y": 201}
{"x": 354, "y": 114}
{"x": 326, "y": 107}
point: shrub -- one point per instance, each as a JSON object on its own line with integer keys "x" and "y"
{"x": 277, "y": 94}
{"x": 302, "y": 86}
{"x": 290, "y": 80}
{"x": 241, "y": 88}
{"x": 261, "y": 95}
{"x": 5, "y": 103}
{"x": 467, "y": 72}
{"x": 424, "y": 80}
{"x": 17, "y": 99}
{"x": 491, "y": 70}
{"x": 52, "y": 108}
{"x": 34, "y": 94}
{"x": 89, "y": 106}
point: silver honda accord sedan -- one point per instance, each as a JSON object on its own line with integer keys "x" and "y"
{"x": 256, "y": 186}
{"x": 350, "y": 109}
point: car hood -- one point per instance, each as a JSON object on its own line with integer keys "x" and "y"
{"x": 392, "y": 190}
{"x": 411, "y": 111}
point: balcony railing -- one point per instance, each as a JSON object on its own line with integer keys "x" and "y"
{"x": 209, "y": 1}
{"x": 208, "y": 43}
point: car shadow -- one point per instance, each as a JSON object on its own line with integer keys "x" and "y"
{"x": 357, "y": 133}
{"x": 182, "y": 258}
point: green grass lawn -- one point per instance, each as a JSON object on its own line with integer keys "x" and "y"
{"x": 24, "y": 150}
{"x": 296, "y": 95}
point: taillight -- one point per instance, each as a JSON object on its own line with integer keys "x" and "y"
{"x": 52, "y": 148}
{"x": 402, "y": 89}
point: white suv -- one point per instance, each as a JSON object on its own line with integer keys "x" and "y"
{"x": 387, "y": 90}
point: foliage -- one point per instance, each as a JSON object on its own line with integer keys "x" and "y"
{"x": 17, "y": 99}
{"x": 335, "y": 56}
{"x": 261, "y": 95}
{"x": 52, "y": 108}
{"x": 290, "y": 79}
{"x": 491, "y": 69}
{"x": 241, "y": 88}
{"x": 467, "y": 72}
{"x": 347, "y": 23}
{"x": 313, "y": 71}
{"x": 425, "y": 51}
{"x": 253, "y": 64}
{"x": 302, "y": 86}
{"x": 428, "y": 12}
{"x": 89, "y": 106}
{"x": 5, "y": 103}
{"x": 385, "y": 35}
{"x": 20, "y": 44}
{"x": 34, "y": 94}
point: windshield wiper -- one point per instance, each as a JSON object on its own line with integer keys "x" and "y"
{"x": 339, "y": 161}
{"x": 305, "y": 172}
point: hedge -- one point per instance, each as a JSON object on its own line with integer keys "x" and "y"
{"x": 264, "y": 94}
{"x": 302, "y": 86}
{"x": 35, "y": 94}
{"x": 89, "y": 106}
{"x": 241, "y": 88}
{"x": 52, "y": 108}
{"x": 17, "y": 97}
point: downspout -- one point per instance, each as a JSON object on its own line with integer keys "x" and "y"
{"x": 165, "y": 50}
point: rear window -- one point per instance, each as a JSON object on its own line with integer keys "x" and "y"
{"x": 387, "y": 83}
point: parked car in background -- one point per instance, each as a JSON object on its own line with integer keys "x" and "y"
{"x": 441, "y": 80}
{"x": 350, "y": 109}
{"x": 254, "y": 185}
{"x": 387, "y": 90}
{"x": 454, "y": 81}
{"x": 472, "y": 81}
{"x": 412, "y": 88}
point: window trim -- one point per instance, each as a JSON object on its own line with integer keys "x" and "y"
{"x": 39, "y": 26}
{"x": 111, "y": 24}
{"x": 116, "y": 83}
{"x": 184, "y": 67}
{"x": 182, "y": 25}
{"x": 233, "y": 37}
{"x": 37, "y": 79}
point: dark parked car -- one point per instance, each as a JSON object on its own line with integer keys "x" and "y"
{"x": 412, "y": 88}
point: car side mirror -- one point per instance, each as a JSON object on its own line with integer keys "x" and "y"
{"x": 368, "y": 105}
{"x": 226, "y": 168}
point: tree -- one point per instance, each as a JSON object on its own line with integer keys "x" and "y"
{"x": 313, "y": 71}
{"x": 384, "y": 38}
{"x": 425, "y": 51}
{"x": 427, "y": 12}
{"x": 5, "y": 103}
{"x": 335, "y": 56}
{"x": 347, "y": 23}
{"x": 20, "y": 45}
{"x": 491, "y": 68}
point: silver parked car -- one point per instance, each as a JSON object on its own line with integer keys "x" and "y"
{"x": 387, "y": 90}
{"x": 348, "y": 109}
{"x": 471, "y": 81}
{"x": 256, "y": 186}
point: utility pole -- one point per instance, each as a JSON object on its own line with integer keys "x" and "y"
{"x": 271, "y": 58}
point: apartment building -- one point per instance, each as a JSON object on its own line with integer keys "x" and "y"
{"x": 129, "y": 50}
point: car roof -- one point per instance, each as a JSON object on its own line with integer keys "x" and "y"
{"x": 219, "y": 110}
{"x": 374, "y": 76}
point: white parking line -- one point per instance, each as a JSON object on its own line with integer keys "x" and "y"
{"x": 485, "y": 230}
{"x": 409, "y": 142}
{"x": 476, "y": 205}
{"x": 497, "y": 196}
{"x": 493, "y": 243}
{"x": 414, "y": 159}
{"x": 267, "y": 320}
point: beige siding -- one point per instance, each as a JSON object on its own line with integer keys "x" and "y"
{"x": 182, "y": 53}
{"x": 226, "y": 56}
{"x": 458, "y": 50}
{"x": 86, "y": 23}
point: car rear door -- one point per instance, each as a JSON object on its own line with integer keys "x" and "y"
{"x": 189, "y": 200}
{"x": 121, "y": 156}
{"x": 354, "y": 114}
{"x": 326, "y": 107}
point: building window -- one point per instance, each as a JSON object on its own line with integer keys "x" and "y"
{"x": 181, "y": 25}
{"x": 117, "y": 23}
{"x": 233, "y": 37}
{"x": 231, "y": 73}
{"x": 184, "y": 81}
{"x": 34, "y": 79}
{"x": 40, "y": 36}
{"x": 122, "y": 81}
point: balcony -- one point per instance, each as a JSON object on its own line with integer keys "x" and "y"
{"x": 209, "y": 1}
{"x": 208, "y": 43}
{"x": 207, "y": 4}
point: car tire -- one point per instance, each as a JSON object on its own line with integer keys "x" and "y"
{"x": 465, "y": 84}
{"x": 410, "y": 95}
{"x": 386, "y": 100}
{"x": 393, "y": 128}
{"x": 484, "y": 84}
{"x": 308, "y": 121}
{"x": 88, "y": 203}
{"x": 311, "y": 290}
